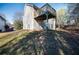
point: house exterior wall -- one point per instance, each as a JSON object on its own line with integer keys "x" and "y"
{"x": 51, "y": 23}
{"x": 29, "y": 22}
{"x": 2, "y": 24}
{"x": 28, "y": 17}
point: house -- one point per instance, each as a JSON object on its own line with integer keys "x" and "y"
{"x": 73, "y": 9}
{"x": 2, "y": 24}
{"x": 35, "y": 18}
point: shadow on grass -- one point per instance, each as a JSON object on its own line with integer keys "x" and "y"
{"x": 44, "y": 43}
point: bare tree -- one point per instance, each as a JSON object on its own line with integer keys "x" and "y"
{"x": 18, "y": 23}
{"x": 62, "y": 17}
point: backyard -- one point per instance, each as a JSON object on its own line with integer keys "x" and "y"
{"x": 50, "y": 42}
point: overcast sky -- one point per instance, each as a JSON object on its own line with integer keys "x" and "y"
{"x": 9, "y": 9}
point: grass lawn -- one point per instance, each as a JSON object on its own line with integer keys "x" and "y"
{"x": 49, "y": 42}
{"x": 10, "y": 36}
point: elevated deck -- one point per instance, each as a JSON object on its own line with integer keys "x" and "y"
{"x": 45, "y": 15}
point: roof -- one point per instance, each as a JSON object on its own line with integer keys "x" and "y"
{"x": 32, "y": 5}
{"x": 2, "y": 18}
{"x": 48, "y": 7}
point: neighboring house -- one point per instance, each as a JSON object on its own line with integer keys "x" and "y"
{"x": 2, "y": 24}
{"x": 73, "y": 9}
{"x": 35, "y": 18}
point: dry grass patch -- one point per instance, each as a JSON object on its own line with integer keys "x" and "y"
{"x": 8, "y": 37}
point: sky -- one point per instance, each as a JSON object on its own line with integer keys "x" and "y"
{"x": 10, "y": 9}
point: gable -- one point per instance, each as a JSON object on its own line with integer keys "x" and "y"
{"x": 48, "y": 8}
